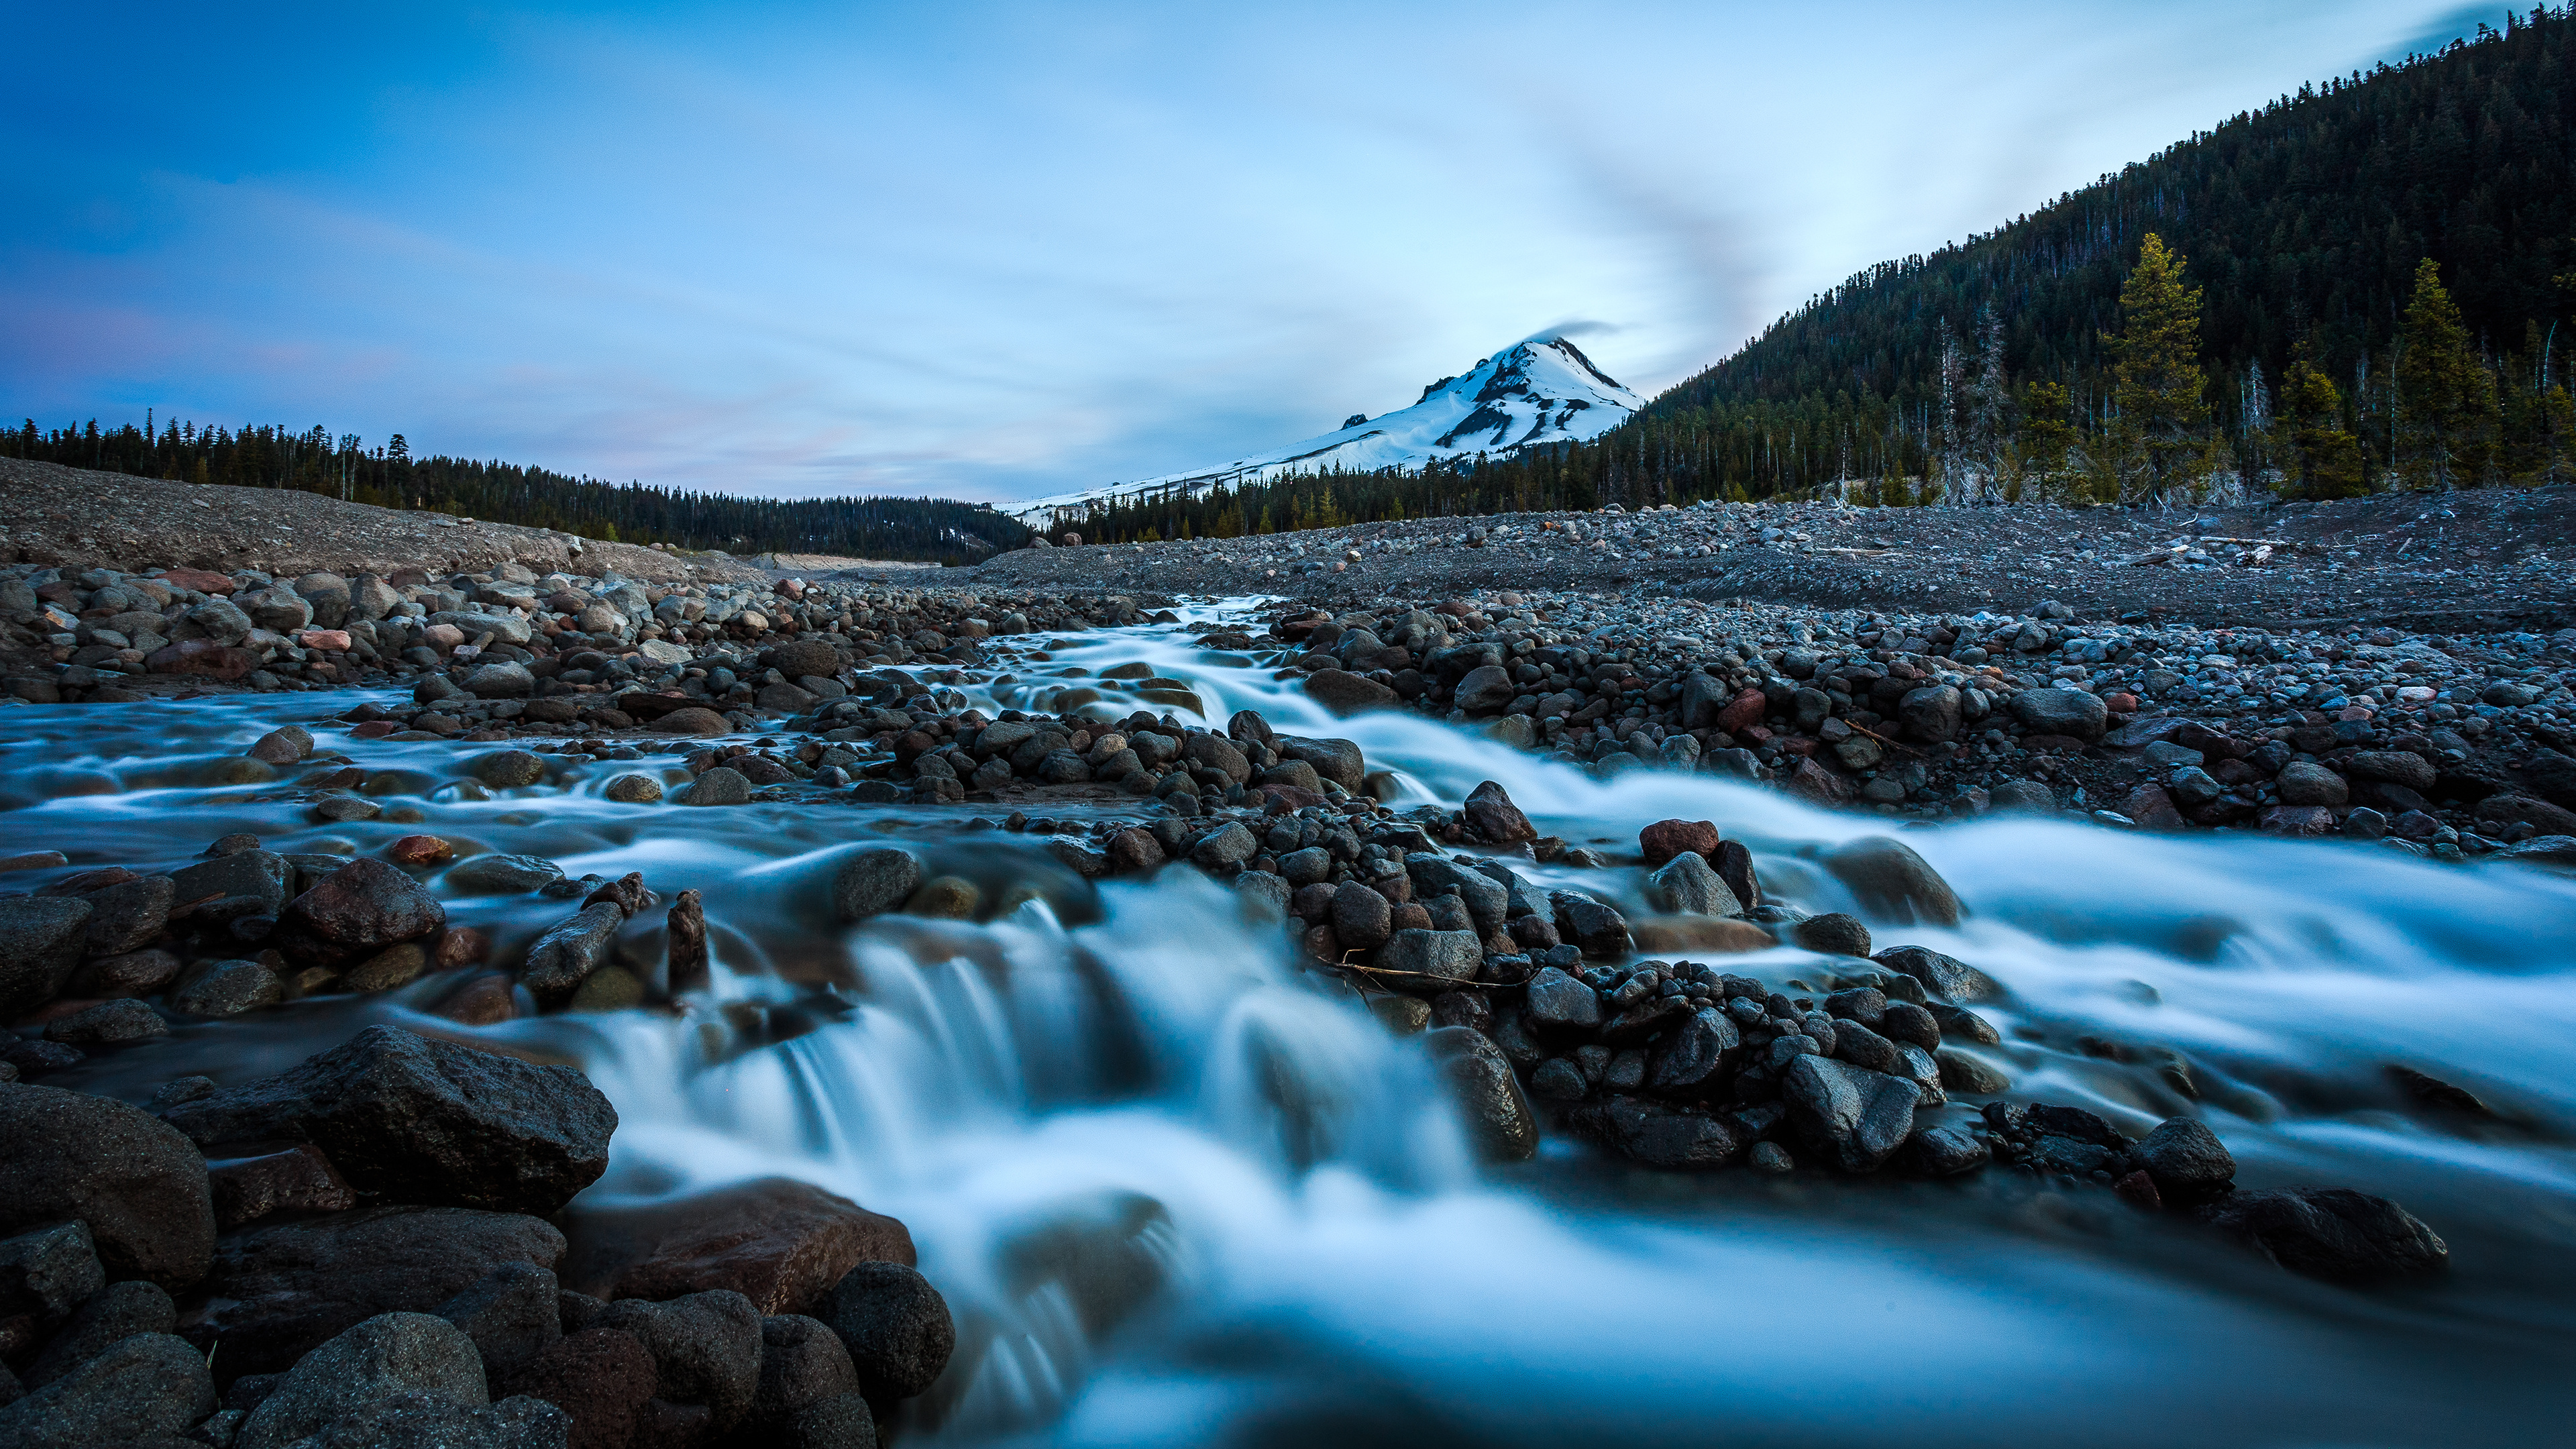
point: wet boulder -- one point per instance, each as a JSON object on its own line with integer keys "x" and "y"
{"x": 1345, "y": 693}
{"x": 1685, "y": 885}
{"x": 2186, "y": 1161}
{"x": 512, "y": 1313}
{"x": 1834, "y": 934}
{"x": 1426, "y": 963}
{"x": 1695, "y": 1055}
{"x": 127, "y": 915}
{"x": 1658, "y": 1136}
{"x": 139, "y": 1185}
{"x": 1488, "y": 901}
{"x": 1559, "y": 1003}
{"x": 424, "y": 1121}
{"x": 1339, "y": 761}
{"x": 1491, "y": 813}
{"x": 2073, "y": 713}
{"x": 1666, "y": 839}
{"x": 261, "y": 875}
{"x": 802, "y": 1363}
{"x": 781, "y": 1243}
{"x": 603, "y": 1379}
{"x": 1892, "y": 883}
{"x": 896, "y": 1327}
{"x": 355, "y": 912}
{"x": 108, "y": 1317}
{"x": 149, "y": 1388}
{"x": 2333, "y": 1233}
{"x": 1491, "y": 1105}
{"x": 1946, "y": 977}
{"x": 45, "y": 1276}
{"x": 501, "y": 874}
{"x": 570, "y": 952}
{"x": 276, "y": 1292}
{"x": 40, "y": 945}
{"x": 391, "y": 1353}
{"x": 873, "y": 880}
{"x": 1857, "y": 1116}
{"x": 705, "y": 1347}
{"x": 1593, "y": 926}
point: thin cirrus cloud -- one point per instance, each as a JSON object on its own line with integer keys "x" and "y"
{"x": 999, "y": 251}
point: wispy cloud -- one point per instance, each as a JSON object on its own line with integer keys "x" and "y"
{"x": 1003, "y": 250}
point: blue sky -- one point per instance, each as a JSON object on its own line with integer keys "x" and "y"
{"x": 996, "y": 251}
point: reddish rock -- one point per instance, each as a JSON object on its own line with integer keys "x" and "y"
{"x": 419, "y": 850}
{"x": 1665, "y": 839}
{"x": 335, "y": 640}
{"x": 1134, "y": 852}
{"x": 779, "y": 1242}
{"x": 1286, "y": 799}
{"x": 486, "y": 1000}
{"x": 2152, "y": 808}
{"x": 1817, "y": 784}
{"x": 2121, "y": 703}
{"x": 374, "y": 729}
{"x": 203, "y": 658}
{"x": 1743, "y": 712}
{"x": 459, "y": 946}
{"x": 354, "y": 912}
{"x": 204, "y": 581}
{"x": 696, "y": 720}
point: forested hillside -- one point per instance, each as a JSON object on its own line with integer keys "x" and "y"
{"x": 2304, "y": 224}
{"x": 2305, "y": 346}
{"x": 256, "y": 456}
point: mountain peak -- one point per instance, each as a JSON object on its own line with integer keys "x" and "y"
{"x": 1539, "y": 390}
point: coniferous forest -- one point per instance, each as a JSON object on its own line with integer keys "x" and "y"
{"x": 2361, "y": 286}
{"x": 315, "y": 461}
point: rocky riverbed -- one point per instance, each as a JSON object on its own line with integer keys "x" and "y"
{"x": 533, "y": 1006}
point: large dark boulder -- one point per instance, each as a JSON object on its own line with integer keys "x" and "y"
{"x": 778, "y": 1242}
{"x": 2332, "y": 1232}
{"x": 2186, "y": 1160}
{"x": 1857, "y": 1116}
{"x": 896, "y": 1327}
{"x": 802, "y": 1363}
{"x": 416, "y": 1420}
{"x": 354, "y": 912}
{"x": 150, "y": 1387}
{"x": 40, "y": 945}
{"x": 425, "y": 1121}
{"x": 139, "y": 1185}
{"x": 1491, "y": 1106}
{"x": 110, "y": 1316}
{"x": 706, "y": 1347}
{"x": 1490, "y": 810}
{"x": 603, "y": 1379}
{"x": 391, "y": 1353}
{"x": 1892, "y": 883}
{"x": 1656, "y": 1135}
{"x": 276, "y": 1292}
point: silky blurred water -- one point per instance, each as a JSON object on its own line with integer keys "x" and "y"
{"x": 1181, "y": 1193}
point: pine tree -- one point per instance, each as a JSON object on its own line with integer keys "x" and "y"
{"x": 2162, "y": 433}
{"x": 2048, "y": 440}
{"x": 2445, "y": 398}
{"x": 2324, "y": 457}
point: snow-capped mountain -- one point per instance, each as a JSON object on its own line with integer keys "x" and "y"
{"x": 1543, "y": 390}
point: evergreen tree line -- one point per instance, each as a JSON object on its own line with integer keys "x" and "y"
{"x": 2378, "y": 267}
{"x": 315, "y": 461}
{"x": 2308, "y": 225}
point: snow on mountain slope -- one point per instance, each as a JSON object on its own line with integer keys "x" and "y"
{"x": 1543, "y": 390}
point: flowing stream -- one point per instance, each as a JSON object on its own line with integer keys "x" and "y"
{"x": 1180, "y": 1192}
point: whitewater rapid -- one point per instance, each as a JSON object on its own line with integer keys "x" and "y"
{"x": 1180, "y": 1192}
